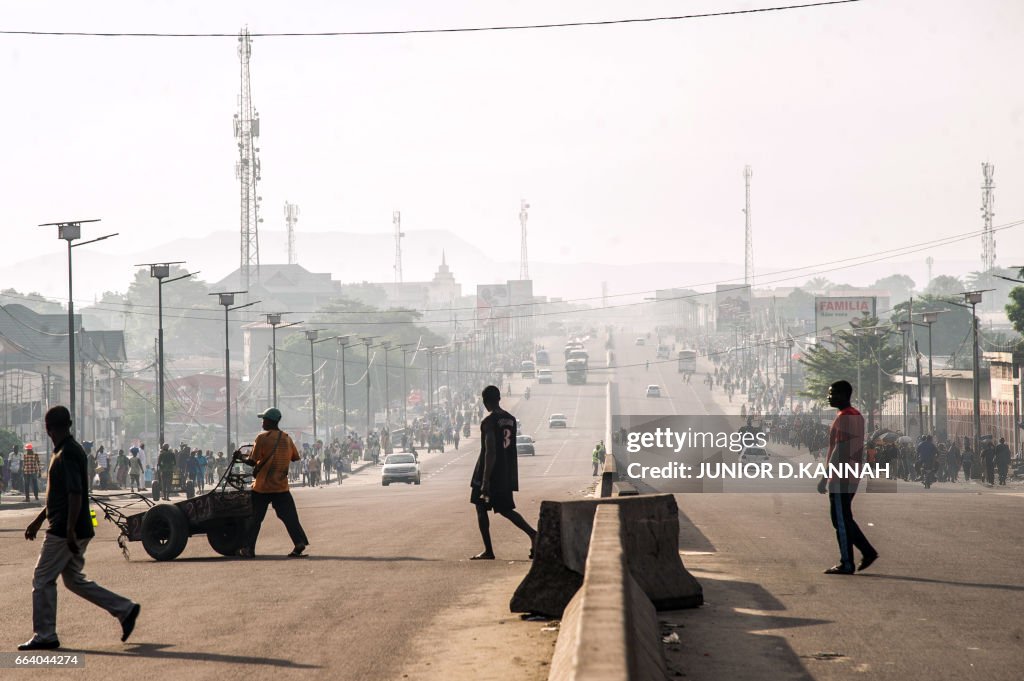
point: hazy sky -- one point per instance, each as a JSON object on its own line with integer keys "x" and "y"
{"x": 866, "y": 125}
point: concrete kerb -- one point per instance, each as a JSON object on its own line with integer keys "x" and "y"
{"x": 651, "y": 546}
{"x": 609, "y": 629}
{"x": 608, "y": 474}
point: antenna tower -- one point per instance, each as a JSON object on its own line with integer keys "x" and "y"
{"x": 247, "y": 169}
{"x": 524, "y": 266}
{"x": 748, "y": 260}
{"x": 396, "y": 219}
{"x": 988, "y": 237}
{"x": 929, "y": 261}
{"x": 291, "y": 216}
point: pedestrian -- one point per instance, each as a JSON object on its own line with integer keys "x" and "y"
{"x": 967, "y": 459}
{"x": 135, "y": 471}
{"x": 270, "y": 457}
{"x": 14, "y": 464}
{"x": 988, "y": 458}
{"x": 30, "y": 471}
{"x": 166, "y": 464}
{"x": 846, "y": 446}
{"x": 1003, "y": 460}
{"x": 67, "y": 538}
{"x": 496, "y": 475}
{"x": 595, "y": 458}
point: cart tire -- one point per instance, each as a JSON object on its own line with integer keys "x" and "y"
{"x": 156, "y": 490}
{"x": 227, "y": 536}
{"x": 164, "y": 532}
{"x": 190, "y": 489}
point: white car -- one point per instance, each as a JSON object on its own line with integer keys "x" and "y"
{"x": 753, "y": 455}
{"x": 640, "y": 341}
{"x": 545, "y": 376}
{"x": 654, "y": 390}
{"x": 558, "y": 421}
{"x": 525, "y": 446}
{"x": 400, "y": 468}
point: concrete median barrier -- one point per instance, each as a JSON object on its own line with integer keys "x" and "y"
{"x": 651, "y": 547}
{"x": 609, "y": 629}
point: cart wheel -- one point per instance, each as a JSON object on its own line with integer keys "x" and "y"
{"x": 156, "y": 490}
{"x": 190, "y": 489}
{"x": 164, "y": 532}
{"x": 227, "y": 536}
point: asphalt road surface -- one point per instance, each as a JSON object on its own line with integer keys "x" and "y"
{"x": 942, "y": 602}
{"x": 388, "y": 570}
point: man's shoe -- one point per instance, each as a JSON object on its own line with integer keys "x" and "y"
{"x": 483, "y": 555}
{"x": 839, "y": 570}
{"x": 36, "y": 644}
{"x": 128, "y": 625}
{"x": 866, "y": 562}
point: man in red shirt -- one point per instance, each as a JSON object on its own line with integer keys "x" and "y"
{"x": 845, "y": 446}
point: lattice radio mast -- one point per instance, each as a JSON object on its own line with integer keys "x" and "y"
{"x": 396, "y": 220}
{"x": 524, "y": 264}
{"x": 291, "y": 216}
{"x": 748, "y": 259}
{"x": 247, "y": 169}
{"x": 988, "y": 237}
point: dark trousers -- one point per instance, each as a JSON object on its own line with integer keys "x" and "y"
{"x": 32, "y": 483}
{"x": 284, "y": 507}
{"x": 848, "y": 533}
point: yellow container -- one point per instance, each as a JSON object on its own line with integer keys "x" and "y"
{"x": 95, "y": 522}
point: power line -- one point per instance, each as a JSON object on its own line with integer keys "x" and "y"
{"x": 418, "y": 31}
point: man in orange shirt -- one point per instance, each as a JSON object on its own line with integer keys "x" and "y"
{"x": 271, "y": 455}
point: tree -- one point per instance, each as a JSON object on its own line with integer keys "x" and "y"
{"x": 1015, "y": 308}
{"x": 192, "y": 325}
{"x": 818, "y": 284}
{"x": 899, "y": 286}
{"x": 840, "y": 358}
{"x": 945, "y": 285}
{"x": 8, "y": 441}
{"x": 949, "y": 332}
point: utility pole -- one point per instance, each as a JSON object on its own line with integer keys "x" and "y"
{"x": 929, "y": 261}
{"x": 396, "y": 220}
{"x": 748, "y": 250}
{"x": 291, "y": 216}
{"x": 524, "y": 263}
{"x": 988, "y": 238}
{"x": 247, "y": 169}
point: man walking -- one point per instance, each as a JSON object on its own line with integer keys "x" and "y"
{"x": 1003, "y": 460}
{"x": 135, "y": 472}
{"x": 845, "y": 446}
{"x": 271, "y": 455}
{"x": 67, "y": 537}
{"x": 166, "y": 464}
{"x": 496, "y": 475}
{"x": 31, "y": 470}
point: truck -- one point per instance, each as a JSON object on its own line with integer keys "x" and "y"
{"x": 582, "y": 355}
{"x": 576, "y": 372}
{"x": 687, "y": 361}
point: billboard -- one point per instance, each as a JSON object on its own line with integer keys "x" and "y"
{"x": 836, "y": 313}
{"x": 492, "y": 300}
{"x": 732, "y": 306}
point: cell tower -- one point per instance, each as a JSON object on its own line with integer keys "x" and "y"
{"x": 247, "y": 169}
{"x": 291, "y": 216}
{"x": 524, "y": 266}
{"x": 988, "y": 237}
{"x": 748, "y": 260}
{"x": 929, "y": 261}
{"x": 396, "y": 219}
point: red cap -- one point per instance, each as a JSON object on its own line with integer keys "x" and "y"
{"x": 28, "y": 446}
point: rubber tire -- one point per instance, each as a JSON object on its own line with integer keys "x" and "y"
{"x": 227, "y": 536}
{"x": 156, "y": 490}
{"x": 190, "y": 489}
{"x": 417, "y": 481}
{"x": 384, "y": 483}
{"x": 164, "y": 532}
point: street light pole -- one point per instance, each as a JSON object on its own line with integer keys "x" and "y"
{"x": 343, "y": 344}
{"x": 790, "y": 343}
{"x": 405, "y": 384}
{"x": 227, "y": 299}
{"x": 929, "y": 318}
{"x": 274, "y": 320}
{"x": 904, "y": 327}
{"x": 973, "y": 298}
{"x": 387, "y": 387}
{"x": 69, "y": 231}
{"x": 311, "y": 336}
{"x": 369, "y": 412}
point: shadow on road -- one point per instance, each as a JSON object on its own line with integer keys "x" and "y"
{"x": 925, "y": 580}
{"x": 161, "y": 651}
{"x": 311, "y": 557}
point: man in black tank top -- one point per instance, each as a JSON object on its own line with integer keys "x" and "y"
{"x": 496, "y": 475}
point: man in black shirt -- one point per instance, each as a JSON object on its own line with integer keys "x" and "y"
{"x": 496, "y": 475}
{"x": 67, "y": 536}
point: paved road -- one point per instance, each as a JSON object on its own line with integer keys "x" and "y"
{"x": 385, "y": 588}
{"x": 941, "y": 603}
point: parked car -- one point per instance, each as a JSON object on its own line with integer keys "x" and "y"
{"x": 525, "y": 446}
{"x": 400, "y": 468}
{"x": 558, "y": 421}
{"x": 653, "y": 390}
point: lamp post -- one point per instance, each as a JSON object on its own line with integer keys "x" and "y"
{"x": 404, "y": 347}
{"x": 369, "y": 412}
{"x": 343, "y": 344}
{"x": 227, "y": 299}
{"x": 789, "y": 344}
{"x": 69, "y": 231}
{"x": 311, "y": 336}
{"x": 387, "y": 386}
{"x": 972, "y": 298}
{"x": 929, "y": 318}
{"x": 274, "y": 320}
{"x": 903, "y": 327}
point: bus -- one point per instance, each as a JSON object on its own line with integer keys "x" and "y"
{"x": 575, "y": 372}
{"x": 687, "y": 361}
{"x": 543, "y": 359}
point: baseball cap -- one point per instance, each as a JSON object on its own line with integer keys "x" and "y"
{"x": 28, "y": 447}
{"x": 274, "y": 414}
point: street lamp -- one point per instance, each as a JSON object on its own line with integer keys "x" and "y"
{"x": 387, "y": 386}
{"x": 789, "y": 344}
{"x": 404, "y": 347}
{"x": 227, "y": 299}
{"x": 311, "y": 336}
{"x": 343, "y": 344}
{"x": 274, "y": 320}
{"x": 904, "y": 327}
{"x": 929, "y": 318}
{"x": 69, "y": 231}
{"x": 160, "y": 271}
{"x": 369, "y": 414}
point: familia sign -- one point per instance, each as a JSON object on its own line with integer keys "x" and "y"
{"x": 836, "y": 314}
